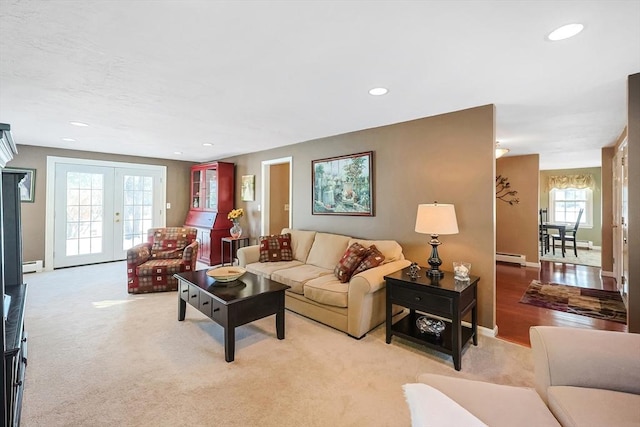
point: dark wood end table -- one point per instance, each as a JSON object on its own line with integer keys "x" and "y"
{"x": 234, "y": 244}
{"x": 232, "y": 304}
{"x": 445, "y": 298}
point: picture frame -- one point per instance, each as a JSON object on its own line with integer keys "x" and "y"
{"x": 248, "y": 190}
{"x": 343, "y": 185}
{"x": 27, "y": 185}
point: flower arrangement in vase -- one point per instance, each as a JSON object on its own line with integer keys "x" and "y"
{"x": 234, "y": 216}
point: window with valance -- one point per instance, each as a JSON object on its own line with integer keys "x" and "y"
{"x": 568, "y": 194}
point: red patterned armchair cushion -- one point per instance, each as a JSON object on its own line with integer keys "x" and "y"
{"x": 169, "y": 242}
{"x": 162, "y": 267}
{"x": 373, "y": 258}
{"x": 349, "y": 261}
{"x": 276, "y": 248}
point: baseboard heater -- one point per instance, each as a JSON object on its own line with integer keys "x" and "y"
{"x": 511, "y": 258}
{"x": 32, "y": 266}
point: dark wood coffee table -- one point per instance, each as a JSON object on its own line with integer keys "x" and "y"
{"x": 231, "y": 304}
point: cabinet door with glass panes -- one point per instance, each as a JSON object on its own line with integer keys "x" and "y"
{"x": 205, "y": 189}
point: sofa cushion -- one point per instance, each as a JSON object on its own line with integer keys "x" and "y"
{"x": 373, "y": 258}
{"x": 350, "y": 260}
{"x": 327, "y": 290}
{"x": 297, "y": 277}
{"x": 327, "y": 249}
{"x": 391, "y": 249}
{"x": 582, "y": 406}
{"x": 430, "y": 407}
{"x": 301, "y": 241}
{"x": 494, "y": 404}
{"x": 276, "y": 248}
{"x": 266, "y": 269}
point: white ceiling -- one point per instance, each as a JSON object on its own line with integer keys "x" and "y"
{"x": 155, "y": 77}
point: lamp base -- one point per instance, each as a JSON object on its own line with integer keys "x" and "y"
{"x": 434, "y": 259}
{"x": 435, "y": 273}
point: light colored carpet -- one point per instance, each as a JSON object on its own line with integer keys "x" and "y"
{"x": 98, "y": 356}
{"x": 591, "y": 257}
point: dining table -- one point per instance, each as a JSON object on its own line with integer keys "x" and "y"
{"x": 562, "y": 230}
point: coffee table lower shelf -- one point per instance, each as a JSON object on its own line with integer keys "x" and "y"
{"x": 406, "y": 328}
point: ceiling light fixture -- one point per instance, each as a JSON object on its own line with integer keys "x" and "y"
{"x": 79, "y": 124}
{"x": 565, "y": 32}
{"x": 177, "y": 152}
{"x": 207, "y": 144}
{"x": 69, "y": 139}
{"x": 500, "y": 151}
{"x": 377, "y": 91}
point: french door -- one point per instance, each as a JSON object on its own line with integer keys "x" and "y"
{"x": 101, "y": 210}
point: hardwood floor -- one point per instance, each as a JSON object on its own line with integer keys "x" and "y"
{"x": 514, "y": 319}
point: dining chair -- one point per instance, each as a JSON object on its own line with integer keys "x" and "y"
{"x": 570, "y": 234}
{"x": 543, "y": 232}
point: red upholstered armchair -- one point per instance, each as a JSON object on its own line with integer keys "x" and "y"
{"x": 151, "y": 265}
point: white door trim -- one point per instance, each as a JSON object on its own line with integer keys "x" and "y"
{"x": 52, "y": 162}
{"x": 264, "y": 195}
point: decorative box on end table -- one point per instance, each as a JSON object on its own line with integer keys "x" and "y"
{"x": 444, "y": 298}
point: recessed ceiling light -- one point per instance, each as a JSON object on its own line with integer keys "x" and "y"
{"x": 80, "y": 124}
{"x": 565, "y": 32}
{"x": 377, "y": 91}
{"x": 177, "y": 152}
{"x": 207, "y": 144}
{"x": 69, "y": 139}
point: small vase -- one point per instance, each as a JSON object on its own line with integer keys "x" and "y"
{"x": 236, "y": 230}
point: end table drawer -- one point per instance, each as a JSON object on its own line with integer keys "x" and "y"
{"x": 421, "y": 301}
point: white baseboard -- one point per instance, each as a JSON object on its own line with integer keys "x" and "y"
{"x": 32, "y": 266}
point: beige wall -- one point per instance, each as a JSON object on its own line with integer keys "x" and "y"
{"x": 593, "y": 234}
{"x": 447, "y": 158}
{"x": 607, "y": 209}
{"x": 33, "y": 214}
{"x": 634, "y": 201}
{"x": 517, "y": 225}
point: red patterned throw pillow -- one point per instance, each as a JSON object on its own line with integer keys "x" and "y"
{"x": 276, "y": 248}
{"x": 373, "y": 258}
{"x": 349, "y": 261}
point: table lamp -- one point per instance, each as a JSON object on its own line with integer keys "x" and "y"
{"x": 436, "y": 219}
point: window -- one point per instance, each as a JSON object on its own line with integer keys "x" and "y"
{"x": 565, "y": 204}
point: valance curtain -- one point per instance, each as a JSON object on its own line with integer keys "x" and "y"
{"x": 571, "y": 181}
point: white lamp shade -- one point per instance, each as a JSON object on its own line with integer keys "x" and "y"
{"x": 436, "y": 219}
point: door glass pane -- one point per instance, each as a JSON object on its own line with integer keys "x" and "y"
{"x": 211, "y": 190}
{"x": 84, "y": 213}
{"x": 138, "y": 201}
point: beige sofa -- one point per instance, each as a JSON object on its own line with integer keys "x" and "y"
{"x": 583, "y": 377}
{"x": 354, "y": 307}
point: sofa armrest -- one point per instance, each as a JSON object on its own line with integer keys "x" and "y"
{"x": 248, "y": 255}
{"x": 138, "y": 254}
{"x": 190, "y": 254}
{"x": 371, "y": 280}
{"x": 585, "y": 358}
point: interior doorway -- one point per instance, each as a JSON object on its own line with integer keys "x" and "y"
{"x": 276, "y": 195}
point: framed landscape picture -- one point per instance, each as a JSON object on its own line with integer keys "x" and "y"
{"x": 343, "y": 185}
